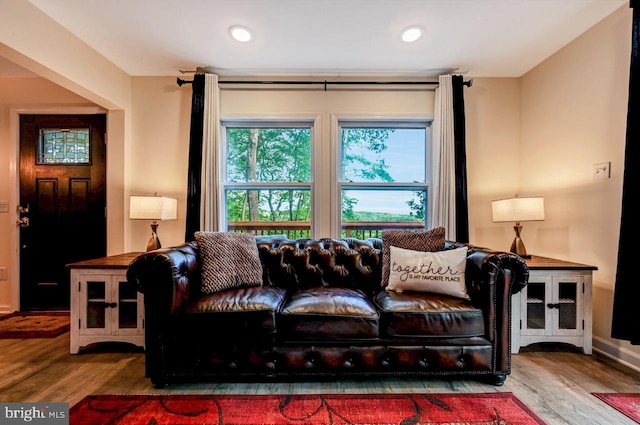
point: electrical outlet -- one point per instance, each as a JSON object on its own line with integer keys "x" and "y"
{"x": 602, "y": 170}
{"x": 3, "y": 273}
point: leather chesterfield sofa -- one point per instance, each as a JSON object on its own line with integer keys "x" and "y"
{"x": 319, "y": 313}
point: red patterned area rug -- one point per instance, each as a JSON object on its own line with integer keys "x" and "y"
{"x": 627, "y": 403}
{"x": 370, "y": 409}
{"x": 34, "y": 324}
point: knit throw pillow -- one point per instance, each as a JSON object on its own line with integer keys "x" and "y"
{"x": 431, "y": 241}
{"x": 228, "y": 260}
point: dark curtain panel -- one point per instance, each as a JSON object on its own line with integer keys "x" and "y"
{"x": 194, "y": 178}
{"x": 460, "y": 158}
{"x": 627, "y": 290}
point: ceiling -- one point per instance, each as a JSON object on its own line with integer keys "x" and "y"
{"x": 483, "y": 38}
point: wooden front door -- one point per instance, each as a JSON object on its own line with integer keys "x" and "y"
{"x": 62, "y": 203}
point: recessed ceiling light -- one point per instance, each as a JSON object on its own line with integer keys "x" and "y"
{"x": 241, "y": 34}
{"x": 411, "y": 34}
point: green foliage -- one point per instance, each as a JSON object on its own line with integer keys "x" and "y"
{"x": 284, "y": 155}
{"x": 382, "y": 217}
{"x": 347, "y": 209}
{"x": 417, "y": 205}
{"x": 362, "y": 150}
{"x": 268, "y": 155}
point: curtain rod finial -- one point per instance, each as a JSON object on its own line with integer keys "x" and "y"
{"x": 181, "y": 82}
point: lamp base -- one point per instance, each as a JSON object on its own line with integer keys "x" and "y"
{"x": 154, "y": 241}
{"x": 517, "y": 247}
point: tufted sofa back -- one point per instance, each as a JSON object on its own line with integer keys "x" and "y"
{"x": 307, "y": 263}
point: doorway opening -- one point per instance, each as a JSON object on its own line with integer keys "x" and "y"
{"x": 62, "y": 172}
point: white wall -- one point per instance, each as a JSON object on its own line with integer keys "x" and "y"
{"x": 31, "y": 39}
{"x": 492, "y": 110}
{"x": 574, "y": 109}
{"x": 158, "y": 154}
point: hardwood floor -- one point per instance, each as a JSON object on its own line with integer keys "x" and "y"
{"x": 557, "y": 385}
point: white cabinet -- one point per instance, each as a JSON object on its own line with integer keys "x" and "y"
{"x": 555, "y": 306}
{"x": 104, "y": 306}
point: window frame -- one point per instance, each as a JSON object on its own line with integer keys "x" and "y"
{"x": 377, "y": 121}
{"x": 266, "y": 122}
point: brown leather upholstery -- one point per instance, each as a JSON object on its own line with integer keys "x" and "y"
{"x": 328, "y": 313}
{"x": 322, "y": 313}
{"x": 411, "y": 314}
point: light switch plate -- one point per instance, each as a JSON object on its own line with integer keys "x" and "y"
{"x": 4, "y": 206}
{"x": 602, "y": 170}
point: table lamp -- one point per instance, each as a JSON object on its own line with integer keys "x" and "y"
{"x": 153, "y": 208}
{"x": 518, "y": 210}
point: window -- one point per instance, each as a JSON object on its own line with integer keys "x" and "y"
{"x": 383, "y": 180}
{"x": 267, "y": 179}
{"x": 273, "y": 171}
{"x": 63, "y": 146}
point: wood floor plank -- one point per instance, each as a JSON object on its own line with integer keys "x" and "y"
{"x": 557, "y": 385}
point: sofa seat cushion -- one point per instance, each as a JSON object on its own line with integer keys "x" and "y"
{"x": 416, "y": 315}
{"x": 328, "y": 313}
{"x": 251, "y": 309}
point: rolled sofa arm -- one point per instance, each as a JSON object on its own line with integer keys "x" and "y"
{"x": 494, "y": 262}
{"x": 486, "y": 263}
{"x": 494, "y": 276}
{"x": 167, "y": 277}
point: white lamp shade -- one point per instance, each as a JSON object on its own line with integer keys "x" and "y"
{"x": 518, "y": 209}
{"x": 153, "y": 208}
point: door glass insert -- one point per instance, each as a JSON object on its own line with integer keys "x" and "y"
{"x": 127, "y": 306}
{"x": 63, "y": 146}
{"x": 535, "y": 305}
{"x": 568, "y": 300}
{"x": 96, "y": 304}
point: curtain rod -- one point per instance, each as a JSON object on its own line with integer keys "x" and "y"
{"x": 326, "y": 83}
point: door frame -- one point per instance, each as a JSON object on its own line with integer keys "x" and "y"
{"x": 14, "y": 183}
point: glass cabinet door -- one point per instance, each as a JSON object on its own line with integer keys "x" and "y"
{"x": 535, "y": 305}
{"x": 105, "y": 307}
{"x": 567, "y": 302}
{"x": 96, "y": 314}
{"x": 127, "y": 306}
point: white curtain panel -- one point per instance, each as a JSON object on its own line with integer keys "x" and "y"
{"x": 210, "y": 193}
{"x": 443, "y": 160}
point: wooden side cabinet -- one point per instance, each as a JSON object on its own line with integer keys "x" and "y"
{"x": 555, "y": 306}
{"x": 104, "y": 306}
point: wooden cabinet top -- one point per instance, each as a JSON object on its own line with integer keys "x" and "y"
{"x": 120, "y": 261}
{"x": 545, "y": 263}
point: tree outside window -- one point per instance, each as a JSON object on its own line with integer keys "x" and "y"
{"x": 268, "y": 179}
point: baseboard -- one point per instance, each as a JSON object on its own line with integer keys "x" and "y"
{"x": 617, "y": 353}
{"x": 5, "y": 309}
